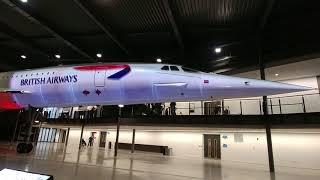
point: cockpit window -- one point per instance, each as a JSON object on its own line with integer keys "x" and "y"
{"x": 174, "y": 68}
{"x": 166, "y": 68}
{"x": 188, "y": 69}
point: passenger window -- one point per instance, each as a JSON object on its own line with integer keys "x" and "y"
{"x": 166, "y": 68}
{"x": 174, "y": 68}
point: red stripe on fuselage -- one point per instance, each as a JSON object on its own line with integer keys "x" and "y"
{"x": 7, "y": 102}
{"x": 101, "y": 67}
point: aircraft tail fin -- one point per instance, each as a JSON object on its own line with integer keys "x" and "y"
{"x": 7, "y": 100}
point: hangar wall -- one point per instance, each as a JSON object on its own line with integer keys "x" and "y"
{"x": 293, "y": 149}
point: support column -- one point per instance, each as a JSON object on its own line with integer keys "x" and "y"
{"x": 117, "y": 137}
{"x": 267, "y": 121}
{"x": 15, "y": 129}
{"x": 29, "y": 122}
{"x": 318, "y": 80}
{"x": 38, "y": 132}
{"x": 80, "y": 143}
{"x": 67, "y": 137}
{"x": 133, "y": 140}
{"x": 202, "y": 110}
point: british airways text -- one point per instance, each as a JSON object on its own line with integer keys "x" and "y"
{"x": 49, "y": 80}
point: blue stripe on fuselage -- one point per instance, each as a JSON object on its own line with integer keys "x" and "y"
{"x": 120, "y": 74}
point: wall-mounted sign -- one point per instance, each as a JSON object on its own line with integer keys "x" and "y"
{"x": 10, "y": 174}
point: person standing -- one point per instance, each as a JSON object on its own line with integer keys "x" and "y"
{"x": 90, "y": 141}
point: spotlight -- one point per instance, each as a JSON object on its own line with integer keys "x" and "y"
{"x": 217, "y": 50}
{"x": 24, "y": 1}
{"x": 57, "y": 56}
{"x": 23, "y": 56}
{"x": 99, "y": 55}
{"x": 121, "y": 105}
{"x": 159, "y": 60}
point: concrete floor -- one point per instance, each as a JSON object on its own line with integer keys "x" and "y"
{"x": 96, "y": 164}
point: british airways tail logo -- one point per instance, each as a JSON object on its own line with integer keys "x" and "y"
{"x": 125, "y": 69}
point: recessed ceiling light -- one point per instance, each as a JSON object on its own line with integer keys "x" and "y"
{"x": 57, "y": 56}
{"x": 159, "y": 60}
{"x": 24, "y": 1}
{"x": 218, "y": 50}
{"x": 99, "y": 55}
{"x": 276, "y": 74}
{"x": 23, "y": 56}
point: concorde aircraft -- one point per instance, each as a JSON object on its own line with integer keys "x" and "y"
{"x": 125, "y": 83}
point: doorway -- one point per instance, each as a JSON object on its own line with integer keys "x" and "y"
{"x": 212, "y": 148}
{"x": 99, "y": 78}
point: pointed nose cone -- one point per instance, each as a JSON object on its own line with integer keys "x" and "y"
{"x": 235, "y": 87}
{"x": 290, "y": 87}
{"x": 271, "y": 88}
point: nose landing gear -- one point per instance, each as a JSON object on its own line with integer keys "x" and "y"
{"x": 32, "y": 114}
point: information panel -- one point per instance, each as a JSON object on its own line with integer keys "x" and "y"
{"x": 10, "y": 174}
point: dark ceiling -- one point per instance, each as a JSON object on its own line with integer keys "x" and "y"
{"x": 177, "y": 31}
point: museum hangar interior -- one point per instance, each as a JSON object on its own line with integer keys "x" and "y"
{"x": 266, "y": 137}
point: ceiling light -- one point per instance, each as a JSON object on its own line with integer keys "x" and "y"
{"x": 121, "y": 105}
{"x": 159, "y": 60}
{"x": 218, "y": 50}
{"x": 24, "y": 1}
{"x": 36, "y": 121}
{"x": 23, "y": 56}
{"x": 99, "y": 55}
{"x": 276, "y": 74}
{"x": 57, "y": 56}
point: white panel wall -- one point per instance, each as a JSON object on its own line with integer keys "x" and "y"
{"x": 290, "y": 149}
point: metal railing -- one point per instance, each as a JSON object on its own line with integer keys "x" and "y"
{"x": 303, "y": 103}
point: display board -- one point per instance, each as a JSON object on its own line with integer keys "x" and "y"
{"x": 10, "y": 174}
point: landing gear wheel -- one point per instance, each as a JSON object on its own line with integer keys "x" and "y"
{"x": 24, "y": 148}
{"x": 21, "y": 147}
{"x": 29, "y": 148}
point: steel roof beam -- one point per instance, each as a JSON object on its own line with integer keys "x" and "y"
{"x": 12, "y": 34}
{"x": 6, "y": 67}
{"x": 101, "y": 26}
{"x": 266, "y": 14}
{"x": 173, "y": 23}
{"x": 27, "y": 13}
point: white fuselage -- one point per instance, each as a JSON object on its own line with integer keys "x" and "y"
{"x": 113, "y": 84}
